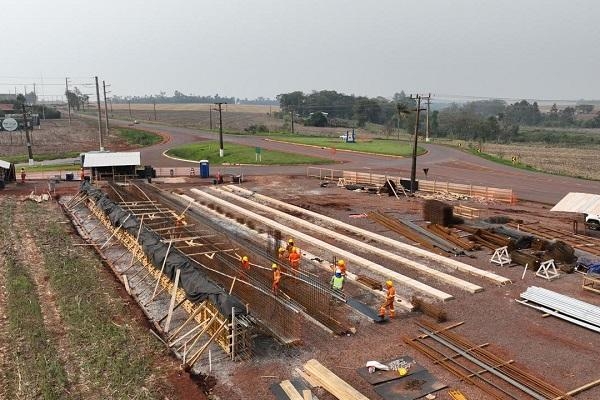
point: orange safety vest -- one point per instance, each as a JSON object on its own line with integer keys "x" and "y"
{"x": 391, "y": 295}
{"x": 246, "y": 265}
{"x": 294, "y": 259}
{"x": 276, "y": 276}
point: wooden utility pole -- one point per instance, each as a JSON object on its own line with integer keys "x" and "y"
{"x": 427, "y": 129}
{"x": 68, "y": 102}
{"x": 210, "y": 116}
{"x": 105, "y": 107}
{"x": 154, "y": 102}
{"x": 413, "y": 169}
{"x": 99, "y": 113}
{"x": 129, "y": 103}
{"x": 221, "y": 151}
{"x": 292, "y": 114}
{"x": 26, "y": 127}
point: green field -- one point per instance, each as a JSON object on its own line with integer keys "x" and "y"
{"x": 376, "y": 146}
{"x": 23, "y": 158}
{"x": 239, "y": 154}
{"x": 138, "y": 137}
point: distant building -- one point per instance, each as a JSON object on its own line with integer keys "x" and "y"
{"x": 7, "y": 107}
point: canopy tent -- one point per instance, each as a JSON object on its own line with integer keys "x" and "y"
{"x": 586, "y": 203}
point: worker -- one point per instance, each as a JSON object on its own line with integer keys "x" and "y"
{"x": 337, "y": 281}
{"x": 276, "y": 278}
{"x": 290, "y": 245}
{"x": 82, "y": 174}
{"x": 245, "y": 263}
{"x": 295, "y": 259}
{"x": 389, "y": 301}
{"x": 282, "y": 254}
{"x": 341, "y": 265}
{"x": 22, "y": 175}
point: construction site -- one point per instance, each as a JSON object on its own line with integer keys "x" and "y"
{"x": 492, "y": 297}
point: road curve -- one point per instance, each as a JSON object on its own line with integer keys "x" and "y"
{"x": 444, "y": 163}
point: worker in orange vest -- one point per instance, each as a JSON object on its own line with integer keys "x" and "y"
{"x": 22, "y": 175}
{"x": 341, "y": 265}
{"x": 276, "y": 278}
{"x": 281, "y": 254}
{"x": 245, "y": 264}
{"x": 389, "y": 301}
{"x": 295, "y": 259}
{"x": 82, "y": 174}
{"x": 290, "y": 246}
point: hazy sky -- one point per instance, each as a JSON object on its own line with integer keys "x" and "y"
{"x": 249, "y": 48}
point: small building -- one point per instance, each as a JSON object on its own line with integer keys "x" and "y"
{"x": 7, "y": 108}
{"x": 113, "y": 166}
{"x": 7, "y": 173}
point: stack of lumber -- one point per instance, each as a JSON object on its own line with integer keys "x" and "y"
{"x": 429, "y": 309}
{"x": 438, "y": 212}
{"x": 321, "y": 376}
{"x": 561, "y": 251}
{"x": 293, "y": 394}
{"x": 522, "y": 258}
{"x": 449, "y": 235}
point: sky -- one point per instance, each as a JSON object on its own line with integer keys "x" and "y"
{"x": 513, "y": 49}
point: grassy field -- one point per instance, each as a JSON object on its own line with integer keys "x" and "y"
{"x": 23, "y": 158}
{"x": 138, "y": 137}
{"x": 237, "y": 108}
{"x": 69, "y": 333}
{"x": 377, "y": 146}
{"x": 238, "y": 154}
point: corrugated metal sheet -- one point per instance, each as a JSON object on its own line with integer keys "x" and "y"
{"x": 587, "y": 203}
{"x": 4, "y": 164}
{"x": 111, "y": 159}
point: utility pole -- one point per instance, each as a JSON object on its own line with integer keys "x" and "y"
{"x": 25, "y": 125}
{"x": 66, "y": 94}
{"x": 210, "y": 116}
{"x": 427, "y": 130}
{"x": 292, "y": 114}
{"x": 105, "y": 107}
{"x": 99, "y": 113}
{"x": 154, "y": 102}
{"x": 129, "y": 104}
{"x": 221, "y": 152}
{"x": 413, "y": 169}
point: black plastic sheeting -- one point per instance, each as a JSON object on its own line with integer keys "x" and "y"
{"x": 195, "y": 284}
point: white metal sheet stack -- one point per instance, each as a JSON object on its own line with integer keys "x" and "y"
{"x": 564, "y": 307}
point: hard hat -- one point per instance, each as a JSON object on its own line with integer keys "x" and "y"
{"x": 341, "y": 262}
{"x": 389, "y": 283}
{"x": 245, "y": 258}
{"x": 290, "y": 240}
{"x": 274, "y": 266}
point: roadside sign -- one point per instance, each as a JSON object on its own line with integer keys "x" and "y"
{"x": 10, "y": 124}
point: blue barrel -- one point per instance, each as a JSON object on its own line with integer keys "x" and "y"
{"x": 204, "y": 169}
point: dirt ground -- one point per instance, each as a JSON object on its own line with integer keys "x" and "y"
{"x": 559, "y": 352}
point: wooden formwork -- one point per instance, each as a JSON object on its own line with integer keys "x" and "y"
{"x": 467, "y": 212}
{"x": 229, "y": 335}
{"x": 486, "y": 192}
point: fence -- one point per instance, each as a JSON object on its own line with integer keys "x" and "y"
{"x": 435, "y": 186}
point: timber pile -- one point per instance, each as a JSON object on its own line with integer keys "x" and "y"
{"x": 438, "y": 212}
{"x": 431, "y": 310}
{"x": 538, "y": 244}
{"x": 331, "y": 382}
{"x": 561, "y": 252}
{"x": 522, "y": 258}
{"x": 449, "y": 235}
{"x": 487, "y": 238}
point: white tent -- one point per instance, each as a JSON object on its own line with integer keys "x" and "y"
{"x": 586, "y": 203}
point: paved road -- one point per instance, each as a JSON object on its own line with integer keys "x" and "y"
{"x": 444, "y": 163}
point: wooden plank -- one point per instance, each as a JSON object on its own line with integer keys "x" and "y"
{"x": 312, "y": 382}
{"x": 333, "y": 383}
{"x": 307, "y": 395}
{"x": 290, "y": 390}
{"x": 172, "y": 304}
{"x": 450, "y": 263}
{"x": 384, "y": 272}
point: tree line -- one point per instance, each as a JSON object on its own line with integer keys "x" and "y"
{"x": 179, "y": 97}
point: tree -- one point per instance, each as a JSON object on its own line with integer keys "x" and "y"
{"x": 316, "y": 119}
{"x": 73, "y": 100}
